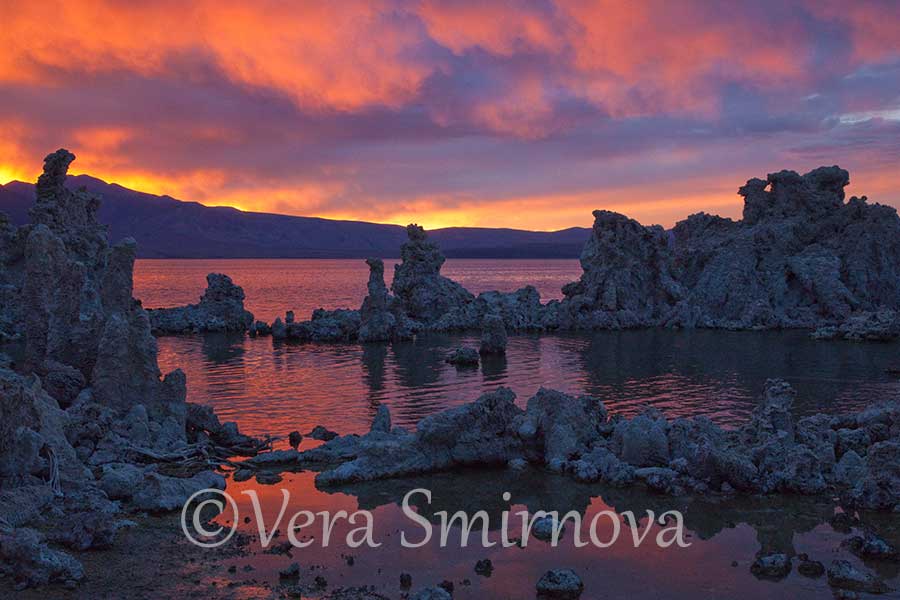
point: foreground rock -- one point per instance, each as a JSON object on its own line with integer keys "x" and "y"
{"x": 26, "y": 558}
{"x": 771, "y": 566}
{"x": 88, "y": 426}
{"x": 221, "y": 308}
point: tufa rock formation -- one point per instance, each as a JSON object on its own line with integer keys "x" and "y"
{"x": 221, "y": 308}
{"x": 85, "y": 415}
{"x": 854, "y": 456}
{"x": 800, "y": 258}
{"x": 382, "y": 319}
{"x": 74, "y": 308}
{"x": 493, "y": 335}
{"x": 423, "y": 294}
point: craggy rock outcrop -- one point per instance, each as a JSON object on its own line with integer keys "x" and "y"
{"x": 260, "y": 328}
{"x": 221, "y": 308}
{"x": 844, "y": 576}
{"x": 520, "y": 311}
{"x": 82, "y": 325}
{"x": 86, "y": 417}
{"x": 475, "y": 434}
{"x": 423, "y": 294}
{"x": 493, "y": 335}
{"x": 559, "y": 584}
{"x": 877, "y": 326}
{"x": 801, "y": 257}
{"x": 771, "y": 453}
{"x": 381, "y": 317}
{"x": 12, "y": 273}
{"x": 340, "y": 325}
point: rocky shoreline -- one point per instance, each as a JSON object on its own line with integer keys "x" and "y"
{"x": 854, "y": 457}
{"x": 801, "y": 258}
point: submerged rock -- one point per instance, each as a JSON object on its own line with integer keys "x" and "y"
{"x": 810, "y": 568}
{"x": 544, "y": 528}
{"x": 871, "y": 546}
{"x": 562, "y": 584}
{"x": 484, "y": 567}
{"x": 221, "y": 308}
{"x": 464, "y": 356}
{"x": 432, "y": 593}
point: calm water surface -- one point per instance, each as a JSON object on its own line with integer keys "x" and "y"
{"x": 276, "y": 387}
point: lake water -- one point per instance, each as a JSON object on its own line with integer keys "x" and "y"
{"x": 276, "y": 387}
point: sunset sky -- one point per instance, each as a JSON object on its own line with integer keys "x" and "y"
{"x": 521, "y": 114}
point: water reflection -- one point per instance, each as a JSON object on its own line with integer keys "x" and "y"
{"x": 275, "y": 387}
{"x": 721, "y": 533}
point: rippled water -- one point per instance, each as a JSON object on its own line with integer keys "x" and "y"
{"x": 276, "y": 387}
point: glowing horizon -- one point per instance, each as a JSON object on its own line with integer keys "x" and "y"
{"x": 529, "y": 114}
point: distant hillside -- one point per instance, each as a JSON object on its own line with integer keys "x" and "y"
{"x": 168, "y": 228}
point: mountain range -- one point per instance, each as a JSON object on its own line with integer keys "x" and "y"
{"x": 165, "y": 227}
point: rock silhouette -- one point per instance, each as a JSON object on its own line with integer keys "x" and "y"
{"x": 801, "y": 257}
{"x": 221, "y": 308}
{"x": 88, "y": 349}
{"x": 770, "y": 453}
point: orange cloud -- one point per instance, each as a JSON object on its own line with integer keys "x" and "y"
{"x": 520, "y": 113}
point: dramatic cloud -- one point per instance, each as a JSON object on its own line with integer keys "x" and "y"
{"x": 451, "y": 112}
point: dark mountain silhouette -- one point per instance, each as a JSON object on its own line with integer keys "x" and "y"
{"x": 168, "y": 228}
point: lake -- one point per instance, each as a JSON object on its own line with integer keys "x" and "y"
{"x": 275, "y": 387}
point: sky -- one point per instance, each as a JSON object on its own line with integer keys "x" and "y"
{"x": 526, "y": 114}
